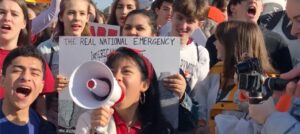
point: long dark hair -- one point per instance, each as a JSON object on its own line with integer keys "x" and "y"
{"x": 149, "y": 15}
{"x": 24, "y": 35}
{"x": 112, "y": 20}
{"x": 149, "y": 113}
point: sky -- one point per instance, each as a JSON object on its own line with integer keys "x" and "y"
{"x": 102, "y": 4}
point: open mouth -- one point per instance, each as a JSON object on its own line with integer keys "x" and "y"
{"x": 23, "y": 91}
{"x": 123, "y": 19}
{"x": 6, "y": 27}
{"x": 168, "y": 18}
{"x": 76, "y": 26}
{"x": 252, "y": 10}
{"x": 181, "y": 32}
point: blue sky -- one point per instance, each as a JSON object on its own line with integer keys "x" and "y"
{"x": 101, "y": 4}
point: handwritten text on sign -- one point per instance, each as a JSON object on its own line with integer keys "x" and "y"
{"x": 109, "y": 42}
{"x": 163, "y": 52}
{"x": 119, "y": 41}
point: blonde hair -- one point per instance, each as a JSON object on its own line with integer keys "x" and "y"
{"x": 59, "y": 29}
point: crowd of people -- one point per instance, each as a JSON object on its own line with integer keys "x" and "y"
{"x": 219, "y": 84}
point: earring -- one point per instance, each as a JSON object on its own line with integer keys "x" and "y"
{"x": 143, "y": 98}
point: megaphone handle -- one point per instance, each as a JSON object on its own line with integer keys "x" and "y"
{"x": 100, "y": 130}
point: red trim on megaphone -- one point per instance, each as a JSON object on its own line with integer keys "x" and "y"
{"x": 121, "y": 97}
{"x": 99, "y": 87}
{"x": 91, "y": 84}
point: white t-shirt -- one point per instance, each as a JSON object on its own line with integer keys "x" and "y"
{"x": 195, "y": 66}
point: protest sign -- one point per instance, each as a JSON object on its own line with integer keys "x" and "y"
{"x": 163, "y": 52}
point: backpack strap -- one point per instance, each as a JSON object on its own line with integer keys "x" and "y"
{"x": 198, "y": 55}
{"x": 222, "y": 105}
{"x": 217, "y": 68}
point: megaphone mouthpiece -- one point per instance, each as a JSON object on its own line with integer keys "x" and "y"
{"x": 91, "y": 84}
{"x": 99, "y": 87}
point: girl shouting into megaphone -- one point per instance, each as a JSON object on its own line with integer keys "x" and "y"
{"x": 140, "y": 110}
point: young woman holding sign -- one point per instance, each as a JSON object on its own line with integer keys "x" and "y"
{"x": 140, "y": 111}
{"x": 72, "y": 21}
{"x": 142, "y": 23}
{"x": 141, "y": 105}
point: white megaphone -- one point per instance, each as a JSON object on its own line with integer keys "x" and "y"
{"x": 92, "y": 85}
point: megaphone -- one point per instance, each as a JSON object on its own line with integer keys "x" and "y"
{"x": 92, "y": 85}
